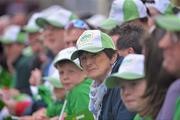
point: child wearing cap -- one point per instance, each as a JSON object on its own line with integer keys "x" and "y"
{"x": 97, "y": 55}
{"x": 130, "y": 78}
{"x": 75, "y": 82}
{"x": 54, "y": 101}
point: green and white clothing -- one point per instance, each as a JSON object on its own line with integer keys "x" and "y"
{"x": 177, "y": 111}
{"x": 78, "y": 98}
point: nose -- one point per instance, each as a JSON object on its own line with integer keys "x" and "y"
{"x": 89, "y": 61}
{"x": 125, "y": 91}
{"x": 64, "y": 78}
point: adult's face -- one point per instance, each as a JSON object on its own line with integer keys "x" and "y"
{"x": 96, "y": 65}
{"x": 54, "y": 39}
{"x": 171, "y": 47}
{"x": 131, "y": 94}
{"x": 35, "y": 42}
{"x": 71, "y": 36}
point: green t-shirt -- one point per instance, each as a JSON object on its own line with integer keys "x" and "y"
{"x": 6, "y": 79}
{"x": 54, "y": 109}
{"x": 138, "y": 117}
{"x": 177, "y": 111}
{"x": 78, "y": 98}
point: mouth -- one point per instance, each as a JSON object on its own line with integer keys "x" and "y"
{"x": 128, "y": 101}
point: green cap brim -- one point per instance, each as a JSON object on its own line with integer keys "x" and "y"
{"x": 169, "y": 22}
{"x": 6, "y": 41}
{"x": 30, "y": 29}
{"x": 42, "y": 22}
{"x": 76, "y": 54}
{"x": 108, "y": 24}
{"x": 114, "y": 79}
{"x": 57, "y": 61}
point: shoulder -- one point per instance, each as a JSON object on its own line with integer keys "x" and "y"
{"x": 174, "y": 87}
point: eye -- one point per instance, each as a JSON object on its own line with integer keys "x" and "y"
{"x": 71, "y": 71}
{"x": 82, "y": 58}
{"x": 61, "y": 72}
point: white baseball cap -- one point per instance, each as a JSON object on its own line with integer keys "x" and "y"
{"x": 132, "y": 68}
{"x": 31, "y": 26}
{"x": 93, "y": 41}
{"x": 13, "y": 34}
{"x": 66, "y": 54}
{"x": 55, "y": 16}
{"x": 124, "y": 11}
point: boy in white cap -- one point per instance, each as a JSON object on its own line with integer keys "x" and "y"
{"x": 75, "y": 82}
{"x": 130, "y": 78}
{"x": 97, "y": 55}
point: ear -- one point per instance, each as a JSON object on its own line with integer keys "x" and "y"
{"x": 114, "y": 58}
{"x": 130, "y": 50}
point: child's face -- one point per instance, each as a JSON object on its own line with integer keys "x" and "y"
{"x": 70, "y": 75}
{"x": 131, "y": 94}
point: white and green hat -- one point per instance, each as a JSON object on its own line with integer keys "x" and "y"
{"x": 13, "y": 34}
{"x": 95, "y": 20}
{"x": 164, "y": 6}
{"x": 93, "y": 41}
{"x": 132, "y": 68}
{"x": 66, "y": 54}
{"x": 31, "y": 26}
{"x": 55, "y": 16}
{"x": 54, "y": 79}
{"x": 124, "y": 11}
{"x": 168, "y": 22}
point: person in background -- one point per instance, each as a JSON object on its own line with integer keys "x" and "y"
{"x": 170, "y": 45}
{"x": 125, "y": 11}
{"x": 158, "y": 79}
{"x": 73, "y": 30}
{"x": 55, "y": 104}
{"x": 129, "y": 40}
{"x": 14, "y": 42}
{"x": 53, "y": 20}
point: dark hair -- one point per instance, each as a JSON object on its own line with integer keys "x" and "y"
{"x": 115, "y": 31}
{"x": 109, "y": 52}
{"x": 158, "y": 80}
{"x": 130, "y": 35}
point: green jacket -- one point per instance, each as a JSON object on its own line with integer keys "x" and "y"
{"x": 177, "y": 111}
{"x": 78, "y": 98}
{"x": 6, "y": 79}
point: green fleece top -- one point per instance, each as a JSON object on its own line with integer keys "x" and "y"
{"x": 6, "y": 79}
{"x": 177, "y": 111}
{"x": 78, "y": 98}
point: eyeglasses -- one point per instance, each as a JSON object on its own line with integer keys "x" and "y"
{"x": 77, "y": 24}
